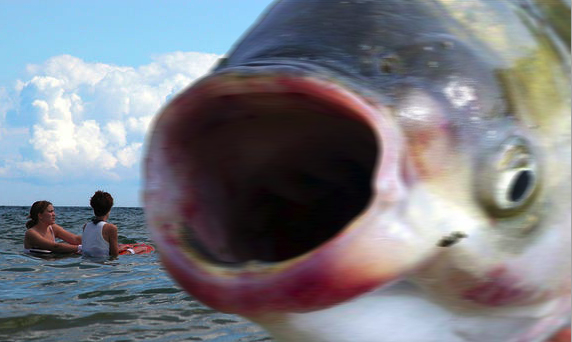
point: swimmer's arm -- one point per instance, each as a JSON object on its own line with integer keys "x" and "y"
{"x": 68, "y": 237}
{"x": 35, "y": 240}
{"x": 110, "y": 233}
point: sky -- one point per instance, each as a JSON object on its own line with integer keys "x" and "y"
{"x": 80, "y": 83}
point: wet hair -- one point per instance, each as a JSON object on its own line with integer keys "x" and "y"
{"x": 101, "y": 202}
{"x": 37, "y": 208}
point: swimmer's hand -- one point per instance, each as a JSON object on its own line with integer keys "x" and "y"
{"x": 126, "y": 248}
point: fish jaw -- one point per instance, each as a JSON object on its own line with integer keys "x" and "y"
{"x": 372, "y": 249}
{"x": 401, "y": 313}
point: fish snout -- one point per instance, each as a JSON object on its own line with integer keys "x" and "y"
{"x": 264, "y": 192}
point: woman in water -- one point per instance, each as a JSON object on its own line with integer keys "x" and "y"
{"x": 42, "y": 232}
{"x": 99, "y": 237}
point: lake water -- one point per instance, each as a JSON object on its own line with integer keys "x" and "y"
{"x": 127, "y": 299}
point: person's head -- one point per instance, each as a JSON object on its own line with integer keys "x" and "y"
{"x": 41, "y": 211}
{"x": 101, "y": 202}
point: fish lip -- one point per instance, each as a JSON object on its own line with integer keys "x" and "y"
{"x": 314, "y": 280}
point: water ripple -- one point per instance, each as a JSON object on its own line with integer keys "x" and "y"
{"x": 69, "y": 298}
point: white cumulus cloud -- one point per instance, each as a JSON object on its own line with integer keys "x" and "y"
{"x": 116, "y": 134}
{"x": 79, "y": 119}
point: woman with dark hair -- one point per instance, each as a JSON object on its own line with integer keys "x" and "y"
{"x": 100, "y": 237}
{"x": 42, "y": 232}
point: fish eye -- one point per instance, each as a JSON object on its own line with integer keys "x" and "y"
{"x": 522, "y": 183}
{"x": 509, "y": 178}
{"x": 513, "y": 187}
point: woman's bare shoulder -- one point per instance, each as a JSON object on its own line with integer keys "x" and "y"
{"x": 110, "y": 227}
{"x": 31, "y": 237}
{"x": 57, "y": 228}
{"x": 30, "y": 232}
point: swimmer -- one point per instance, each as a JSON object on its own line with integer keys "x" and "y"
{"x": 42, "y": 232}
{"x": 100, "y": 237}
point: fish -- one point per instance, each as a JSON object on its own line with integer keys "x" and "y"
{"x": 376, "y": 171}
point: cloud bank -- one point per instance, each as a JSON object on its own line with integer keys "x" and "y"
{"x": 73, "y": 119}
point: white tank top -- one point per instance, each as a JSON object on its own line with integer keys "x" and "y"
{"x": 92, "y": 242}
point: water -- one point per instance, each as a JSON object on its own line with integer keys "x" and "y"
{"x": 68, "y": 298}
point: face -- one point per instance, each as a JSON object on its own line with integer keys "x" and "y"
{"x": 48, "y": 216}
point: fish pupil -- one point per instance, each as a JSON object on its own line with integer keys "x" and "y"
{"x": 521, "y": 186}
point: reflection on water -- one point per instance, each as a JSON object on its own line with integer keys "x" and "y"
{"x": 68, "y": 298}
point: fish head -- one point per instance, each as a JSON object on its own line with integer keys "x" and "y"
{"x": 330, "y": 167}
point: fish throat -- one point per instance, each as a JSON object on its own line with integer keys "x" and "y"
{"x": 270, "y": 170}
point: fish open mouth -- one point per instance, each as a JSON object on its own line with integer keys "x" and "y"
{"x": 275, "y": 173}
{"x": 252, "y": 180}
{"x": 282, "y": 173}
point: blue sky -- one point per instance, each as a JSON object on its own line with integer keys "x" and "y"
{"x": 80, "y": 82}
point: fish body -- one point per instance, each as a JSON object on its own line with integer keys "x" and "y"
{"x": 376, "y": 170}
